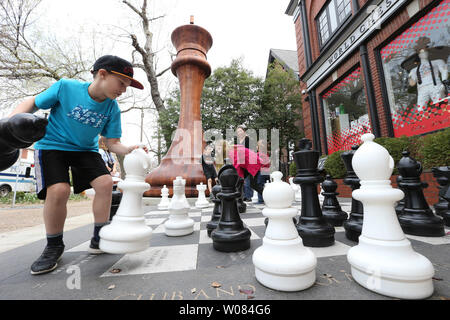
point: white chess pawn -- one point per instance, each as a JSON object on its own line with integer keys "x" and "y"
{"x": 201, "y": 199}
{"x": 255, "y": 197}
{"x": 165, "y": 200}
{"x": 127, "y": 231}
{"x": 186, "y": 202}
{"x": 179, "y": 223}
{"x": 384, "y": 260}
{"x": 297, "y": 189}
{"x": 282, "y": 262}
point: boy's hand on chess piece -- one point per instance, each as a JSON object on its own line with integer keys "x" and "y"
{"x": 143, "y": 146}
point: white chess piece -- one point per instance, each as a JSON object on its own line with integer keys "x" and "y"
{"x": 127, "y": 231}
{"x": 165, "y": 200}
{"x": 201, "y": 199}
{"x": 282, "y": 262}
{"x": 321, "y": 197}
{"x": 186, "y": 202}
{"x": 384, "y": 260}
{"x": 297, "y": 189}
{"x": 255, "y": 197}
{"x": 179, "y": 223}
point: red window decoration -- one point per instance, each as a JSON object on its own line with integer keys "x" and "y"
{"x": 345, "y": 110}
{"x": 416, "y": 65}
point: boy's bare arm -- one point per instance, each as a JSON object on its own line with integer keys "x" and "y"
{"x": 114, "y": 145}
{"x": 26, "y": 106}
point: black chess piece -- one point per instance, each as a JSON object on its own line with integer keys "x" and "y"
{"x": 331, "y": 209}
{"x": 19, "y": 132}
{"x": 230, "y": 234}
{"x": 416, "y": 218}
{"x": 442, "y": 208}
{"x": 217, "y": 211}
{"x": 353, "y": 225}
{"x": 115, "y": 201}
{"x": 312, "y": 226}
{"x": 401, "y": 204}
{"x": 242, "y": 206}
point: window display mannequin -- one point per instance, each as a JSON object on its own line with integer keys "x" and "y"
{"x": 427, "y": 75}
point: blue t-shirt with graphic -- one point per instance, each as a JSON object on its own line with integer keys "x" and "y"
{"x": 76, "y": 119}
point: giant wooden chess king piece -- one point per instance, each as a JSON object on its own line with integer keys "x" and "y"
{"x": 19, "y": 132}
{"x": 184, "y": 155}
{"x": 384, "y": 260}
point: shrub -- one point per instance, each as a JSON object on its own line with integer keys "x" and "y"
{"x": 434, "y": 149}
{"x": 334, "y": 165}
{"x": 292, "y": 169}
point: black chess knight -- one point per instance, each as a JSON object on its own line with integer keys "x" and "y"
{"x": 230, "y": 234}
{"x": 312, "y": 227}
{"x": 19, "y": 132}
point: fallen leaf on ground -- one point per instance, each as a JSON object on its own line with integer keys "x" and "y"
{"x": 115, "y": 270}
{"x": 246, "y": 291}
{"x": 216, "y": 285}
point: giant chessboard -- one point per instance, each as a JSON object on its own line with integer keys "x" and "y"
{"x": 189, "y": 268}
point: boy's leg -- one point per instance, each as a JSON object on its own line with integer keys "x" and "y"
{"x": 55, "y": 207}
{"x": 55, "y": 212}
{"x": 101, "y": 207}
{"x": 52, "y": 179}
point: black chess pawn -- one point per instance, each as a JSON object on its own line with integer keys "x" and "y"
{"x": 442, "y": 208}
{"x": 416, "y": 218}
{"x": 230, "y": 234}
{"x": 401, "y": 204}
{"x": 331, "y": 209}
{"x": 115, "y": 201}
{"x": 242, "y": 206}
{"x": 19, "y": 132}
{"x": 353, "y": 225}
{"x": 217, "y": 211}
{"x": 312, "y": 227}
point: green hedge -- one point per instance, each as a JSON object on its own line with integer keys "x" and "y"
{"x": 432, "y": 150}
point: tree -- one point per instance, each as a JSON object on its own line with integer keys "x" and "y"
{"x": 146, "y": 53}
{"x": 30, "y": 61}
{"x": 281, "y": 107}
{"x": 231, "y": 96}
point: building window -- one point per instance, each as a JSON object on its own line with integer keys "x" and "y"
{"x": 331, "y": 17}
{"x": 415, "y": 66}
{"x": 345, "y": 112}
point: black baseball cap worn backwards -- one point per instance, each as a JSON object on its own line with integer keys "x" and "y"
{"x": 118, "y": 66}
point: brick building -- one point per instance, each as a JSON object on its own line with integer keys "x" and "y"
{"x": 377, "y": 66}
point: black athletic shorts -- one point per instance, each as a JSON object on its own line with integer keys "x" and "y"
{"x": 52, "y": 166}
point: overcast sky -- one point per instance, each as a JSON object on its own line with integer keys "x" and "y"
{"x": 245, "y": 29}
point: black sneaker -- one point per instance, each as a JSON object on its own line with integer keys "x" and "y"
{"x": 48, "y": 261}
{"x": 94, "y": 247}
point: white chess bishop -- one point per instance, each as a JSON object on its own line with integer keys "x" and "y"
{"x": 282, "y": 262}
{"x": 201, "y": 199}
{"x": 127, "y": 231}
{"x": 297, "y": 189}
{"x": 165, "y": 200}
{"x": 179, "y": 223}
{"x": 384, "y": 261}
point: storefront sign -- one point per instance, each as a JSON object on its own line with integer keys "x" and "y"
{"x": 378, "y": 14}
